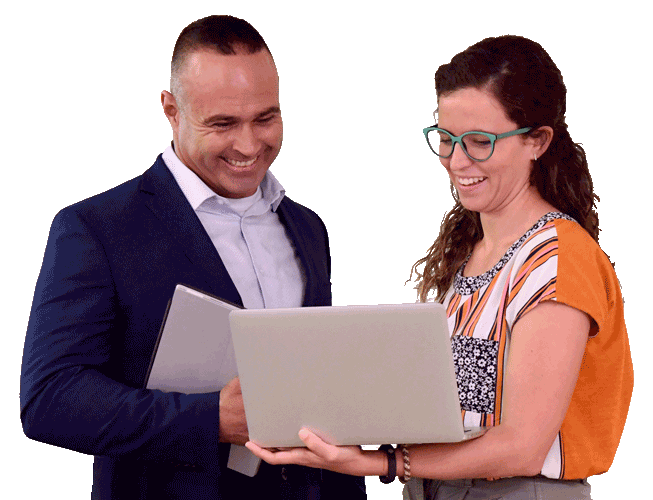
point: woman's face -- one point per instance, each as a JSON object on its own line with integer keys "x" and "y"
{"x": 493, "y": 185}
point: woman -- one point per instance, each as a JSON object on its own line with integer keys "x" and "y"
{"x": 534, "y": 305}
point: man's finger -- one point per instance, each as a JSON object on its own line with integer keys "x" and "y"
{"x": 262, "y": 453}
{"x": 292, "y": 456}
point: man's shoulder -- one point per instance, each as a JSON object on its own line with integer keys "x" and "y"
{"x": 292, "y": 205}
{"x": 109, "y": 197}
{"x": 120, "y": 198}
{"x": 300, "y": 213}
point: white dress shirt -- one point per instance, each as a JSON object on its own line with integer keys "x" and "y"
{"x": 249, "y": 237}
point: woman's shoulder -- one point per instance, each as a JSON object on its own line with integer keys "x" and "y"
{"x": 559, "y": 260}
{"x": 539, "y": 243}
{"x": 558, "y": 236}
{"x": 577, "y": 248}
{"x": 557, "y": 233}
{"x": 586, "y": 278}
{"x": 545, "y": 229}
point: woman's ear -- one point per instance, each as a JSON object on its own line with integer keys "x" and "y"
{"x": 540, "y": 139}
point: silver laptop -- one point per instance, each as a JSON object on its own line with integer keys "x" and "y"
{"x": 353, "y": 374}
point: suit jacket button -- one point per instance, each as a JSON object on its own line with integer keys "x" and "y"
{"x": 284, "y": 473}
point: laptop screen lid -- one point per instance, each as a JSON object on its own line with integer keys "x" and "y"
{"x": 353, "y": 374}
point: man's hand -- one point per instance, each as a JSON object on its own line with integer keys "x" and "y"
{"x": 233, "y": 426}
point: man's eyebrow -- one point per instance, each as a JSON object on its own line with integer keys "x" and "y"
{"x": 230, "y": 118}
{"x": 270, "y": 111}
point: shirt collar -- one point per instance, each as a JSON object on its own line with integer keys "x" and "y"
{"x": 197, "y": 192}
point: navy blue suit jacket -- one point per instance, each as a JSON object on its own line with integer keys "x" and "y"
{"x": 110, "y": 268}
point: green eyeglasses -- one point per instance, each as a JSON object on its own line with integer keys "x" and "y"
{"x": 478, "y": 146}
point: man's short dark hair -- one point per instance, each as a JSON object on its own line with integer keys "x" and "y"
{"x": 224, "y": 34}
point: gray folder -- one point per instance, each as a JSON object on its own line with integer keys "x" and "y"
{"x": 195, "y": 354}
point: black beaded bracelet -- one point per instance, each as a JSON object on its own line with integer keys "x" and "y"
{"x": 392, "y": 464}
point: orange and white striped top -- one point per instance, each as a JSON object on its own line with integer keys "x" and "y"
{"x": 555, "y": 260}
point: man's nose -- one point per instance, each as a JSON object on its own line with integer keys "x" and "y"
{"x": 246, "y": 142}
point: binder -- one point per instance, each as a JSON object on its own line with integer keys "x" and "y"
{"x": 194, "y": 354}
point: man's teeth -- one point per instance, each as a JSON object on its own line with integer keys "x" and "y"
{"x": 241, "y": 163}
{"x": 470, "y": 180}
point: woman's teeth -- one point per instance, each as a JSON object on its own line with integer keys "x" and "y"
{"x": 468, "y": 181}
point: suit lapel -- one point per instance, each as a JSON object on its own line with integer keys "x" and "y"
{"x": 167, "y": 202}
{"x": 286, "y": 213}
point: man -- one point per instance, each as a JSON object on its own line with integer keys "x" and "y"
{"x": 207, "y": 214}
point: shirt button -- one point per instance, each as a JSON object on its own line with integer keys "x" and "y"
{"x": 284, "y": 474}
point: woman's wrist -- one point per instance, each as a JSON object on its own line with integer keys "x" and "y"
{"x": 375, "y": 463}
{"x": 403, "y": 466}
{"x": 399, "y": 458}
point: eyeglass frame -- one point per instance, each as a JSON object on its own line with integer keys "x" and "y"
{"x": 459, "y": 139}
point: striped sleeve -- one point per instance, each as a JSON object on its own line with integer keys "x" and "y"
{"x": 533, "y": 278}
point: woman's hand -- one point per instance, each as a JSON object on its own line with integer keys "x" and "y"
{"x": 350, "y": 460}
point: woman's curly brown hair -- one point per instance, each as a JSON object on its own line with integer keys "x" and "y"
{"x": 528, "y": 84}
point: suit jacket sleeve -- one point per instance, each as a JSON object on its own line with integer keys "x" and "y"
{"x": 71, "y": 395}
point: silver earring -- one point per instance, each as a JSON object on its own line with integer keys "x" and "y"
{"x": 534, "y": 157}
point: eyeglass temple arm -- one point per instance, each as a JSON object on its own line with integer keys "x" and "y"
{"x": 514, "y": 132}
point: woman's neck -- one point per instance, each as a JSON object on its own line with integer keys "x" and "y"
{"x": 510, "y": 223}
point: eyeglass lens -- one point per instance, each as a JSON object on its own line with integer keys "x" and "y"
{"x": 478, "y": 146}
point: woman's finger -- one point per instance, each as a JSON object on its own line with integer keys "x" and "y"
{"x": 317, "y": 445}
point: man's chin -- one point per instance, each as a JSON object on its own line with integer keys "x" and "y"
{"x": 240, "y": 188}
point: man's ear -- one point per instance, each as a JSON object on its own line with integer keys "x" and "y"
{"x": 170, "y": 108}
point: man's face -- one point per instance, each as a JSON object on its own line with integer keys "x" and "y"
{"x": 226, "y": 123}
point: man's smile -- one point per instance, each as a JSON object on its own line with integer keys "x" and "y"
{"x": 237, "y": 163}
